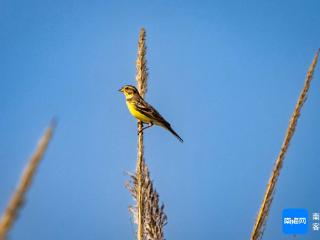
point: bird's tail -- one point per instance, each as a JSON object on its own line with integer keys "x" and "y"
{"x": 169, "y": 128}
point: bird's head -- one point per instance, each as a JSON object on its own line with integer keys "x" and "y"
{"x": 129, "y": 91}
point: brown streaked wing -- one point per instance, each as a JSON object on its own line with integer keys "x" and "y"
{"x": 149, "y": 111}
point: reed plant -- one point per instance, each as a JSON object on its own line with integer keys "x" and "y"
{"x": 258, "y": 229}
{"x": 18, "y": 197}
{"x": 147, "y": 213}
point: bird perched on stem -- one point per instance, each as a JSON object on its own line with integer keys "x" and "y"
{"x": 143, "y": 111}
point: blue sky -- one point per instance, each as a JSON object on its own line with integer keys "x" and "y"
{"x": 226, "y": 74}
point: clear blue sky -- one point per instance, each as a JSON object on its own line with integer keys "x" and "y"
{"x": 226, "y": 74}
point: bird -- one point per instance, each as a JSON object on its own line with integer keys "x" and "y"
{"x": 143, "y": 111}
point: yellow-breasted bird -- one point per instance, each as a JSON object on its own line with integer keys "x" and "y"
{"x": 143, "y": 111}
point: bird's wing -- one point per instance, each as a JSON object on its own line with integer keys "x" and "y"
{"x": 153, "y": 114}
{"x": 150, "y": 112}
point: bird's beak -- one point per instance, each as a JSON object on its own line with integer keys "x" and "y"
{"x": 120, "y": 90}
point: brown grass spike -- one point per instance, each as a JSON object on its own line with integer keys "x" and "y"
{"x": 141, "y": 77}
{"x": 154, "y": 218}
{"x": 258, "y": 228}
{"x": 141, "y": 64}
{"x": 147, "y": 213}
{"x": 18, "y": 197}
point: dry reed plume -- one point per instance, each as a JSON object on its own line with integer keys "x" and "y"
{"x": 18, "y": 197}
{"x": 141, "y": 77}
{"x": 148, "y": 215}
{"x": 154, "y": 218}
{"x": 258, "y": 228}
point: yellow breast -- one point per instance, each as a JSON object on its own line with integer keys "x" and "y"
{"x": 137, "y": 114}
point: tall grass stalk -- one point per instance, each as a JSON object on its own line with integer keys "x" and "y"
{"x": 148, "y": 214}
{"x": 17, "y": 199}
{"x": 258, "y": 228}
{"x": 141, "y": 78}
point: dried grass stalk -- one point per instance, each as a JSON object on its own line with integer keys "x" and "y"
{"x": 258, "y": 228}
{"x": 18, "y": 197}
{"x": 141, "y": 64}
{"x": 148, "y": 215}
{"x": 141, "y": 77}
{"x": 154, "y": 217}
